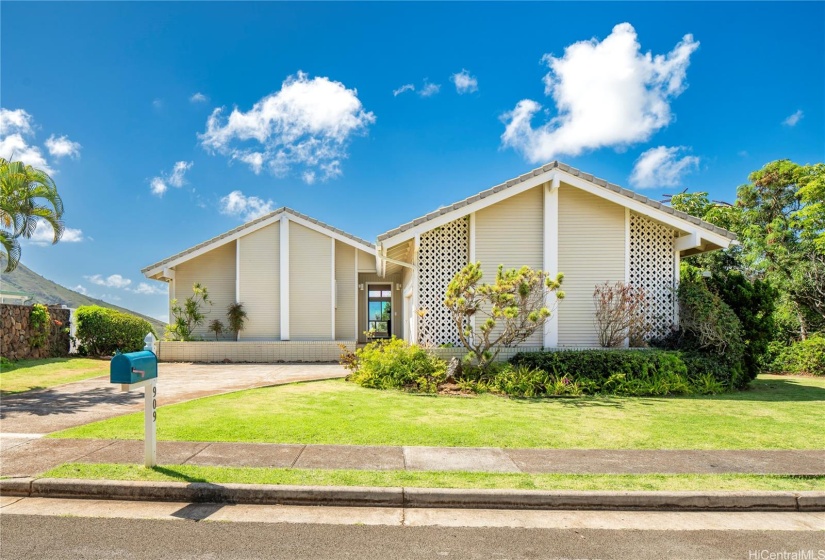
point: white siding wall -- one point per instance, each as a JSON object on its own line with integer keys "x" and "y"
{"x": 310, "y": 291}
{"x": 259, "y": 283}
{"x": 511, "y": 233}
{"x": 591, "y": 251}
{"x": 216, "y": 271}
{"x": 345, "y": 279}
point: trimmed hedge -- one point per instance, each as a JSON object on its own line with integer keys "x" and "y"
{"x": 630, "y": 372}
{"x": 102, "y": 331}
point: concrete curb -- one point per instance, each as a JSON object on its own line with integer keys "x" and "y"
{"x": 199, "y": 492}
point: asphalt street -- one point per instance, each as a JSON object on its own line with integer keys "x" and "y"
{"x": 36, "y": 537}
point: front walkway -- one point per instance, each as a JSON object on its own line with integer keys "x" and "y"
{"x": 30, "y": 457}
{"x": 74, "y": 404}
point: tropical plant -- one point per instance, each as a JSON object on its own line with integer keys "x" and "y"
{"x": 504, "y": 313}
{"x": 217, "y": 327}
{"x": 27, "y": 197}
{"x": 236, "y": 316}
{"x": 39, "y": 324}
{"x": 189, "y": 315}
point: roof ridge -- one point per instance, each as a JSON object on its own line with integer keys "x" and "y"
{"x": 555, "y": 164}
{"x": 247, "y": 225}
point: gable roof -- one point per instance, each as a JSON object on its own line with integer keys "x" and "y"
{"x": 252, "y": 226}
{"x": 455, "y": 209}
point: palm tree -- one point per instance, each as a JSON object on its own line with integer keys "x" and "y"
{"x": 28, "y": 196}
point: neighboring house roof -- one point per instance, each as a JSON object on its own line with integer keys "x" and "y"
{"x": 630, "y": 195}
{"x": 256, "y": 224}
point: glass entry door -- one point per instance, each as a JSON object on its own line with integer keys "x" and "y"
{"x": 379, "y": 310}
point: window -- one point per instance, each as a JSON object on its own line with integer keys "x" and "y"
{"x": 379, "y": 310}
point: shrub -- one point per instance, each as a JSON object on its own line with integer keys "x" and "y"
{"x": 754, "y": 303}
{"x": 628, "y": 372}
{"x": 39, "y": 320}
{"x": 394, "y": 364}
{"x": 620, "y": 314}
{"x": 709, "y": 336}
{"x": 102, "y": 331}
{"x": 804, "y": 356}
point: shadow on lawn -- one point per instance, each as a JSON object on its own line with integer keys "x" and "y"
{"x": 773, "y": 390}
{"x": 50, "y": 401}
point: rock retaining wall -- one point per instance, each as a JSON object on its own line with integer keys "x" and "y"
{"x": 15, "y": 324}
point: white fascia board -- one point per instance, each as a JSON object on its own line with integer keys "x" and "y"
{"x": 328, "y": 232}
{"x": 452, "y": 215}
{"x": 214, "y": 245}
{"x": 644, "y": 209}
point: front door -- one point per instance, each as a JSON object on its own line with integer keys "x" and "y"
{"x": 379, "y": 310}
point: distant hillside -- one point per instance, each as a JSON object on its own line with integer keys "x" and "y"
{"x": 24, "y": 279}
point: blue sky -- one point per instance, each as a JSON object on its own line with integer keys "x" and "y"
{"x": 168, "y": 123}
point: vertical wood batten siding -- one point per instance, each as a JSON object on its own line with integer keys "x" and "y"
{"x": 511, "y": 233}
{"x": 216, "y": 271}
{"x": 591, "y": 251}
{"x": 260, "y": 289}
{"x": 310, "y": 295}
{"x": 345, "y": 287}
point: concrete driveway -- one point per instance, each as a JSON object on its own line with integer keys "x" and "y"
{"x": 74, "y": 404}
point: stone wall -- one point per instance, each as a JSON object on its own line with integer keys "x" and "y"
{"x": 253, "y": 351}
{"x": 15, "y": 343}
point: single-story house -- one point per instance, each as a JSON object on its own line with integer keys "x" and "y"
{"x": 304, "y": 281}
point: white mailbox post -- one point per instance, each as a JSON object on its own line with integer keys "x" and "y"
{"x": 150, "y": 405}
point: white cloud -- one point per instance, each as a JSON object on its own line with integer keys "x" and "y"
{"x": 112, "y": 281}
{"x": 61, "y": 147}
{"x": 793, "y": 119}
{"x": 44, "y": 235}
{"x": 15, "y": 126}
{"x": 157, "y": 103}
{"x": 245, "y": 207}
{"x": 429, "y": 89}
{"x": 149, "y": 289}
{"x": 198, "y": 98}
{"x": 606, "y": 94}
{"x": 306, "y": 124}
{"x": 159, "y": 185}
{"x": 464, "y": 82}
{"x": 402, "y": 89}
{"x": 662, "y": 167}
{"x": 17, "y": 121}
{"x": 81, "y": 290}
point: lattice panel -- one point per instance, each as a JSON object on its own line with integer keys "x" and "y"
{"x": 652, "y": 268}
{"x": 442, "y": 253}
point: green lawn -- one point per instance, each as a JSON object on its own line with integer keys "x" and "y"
{"x": 25, "y": 375}
{"x": 437, "y": 479}
{"x": 778, "y": 412}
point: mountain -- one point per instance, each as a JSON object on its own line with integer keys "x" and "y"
{"x": 24, "y": 279}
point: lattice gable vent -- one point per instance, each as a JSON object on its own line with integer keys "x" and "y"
{"x": 652, "y": 267}
{"x": 443, "y": 252}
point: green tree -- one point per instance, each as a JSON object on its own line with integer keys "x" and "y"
{"x": 504, "y": 313}
{"x": 190, "y": 315}
{"x": 783, "y": 229}
{"x": 27, "y": 197}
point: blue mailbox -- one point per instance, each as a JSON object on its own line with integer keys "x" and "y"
{"x": 133, "y": 367}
